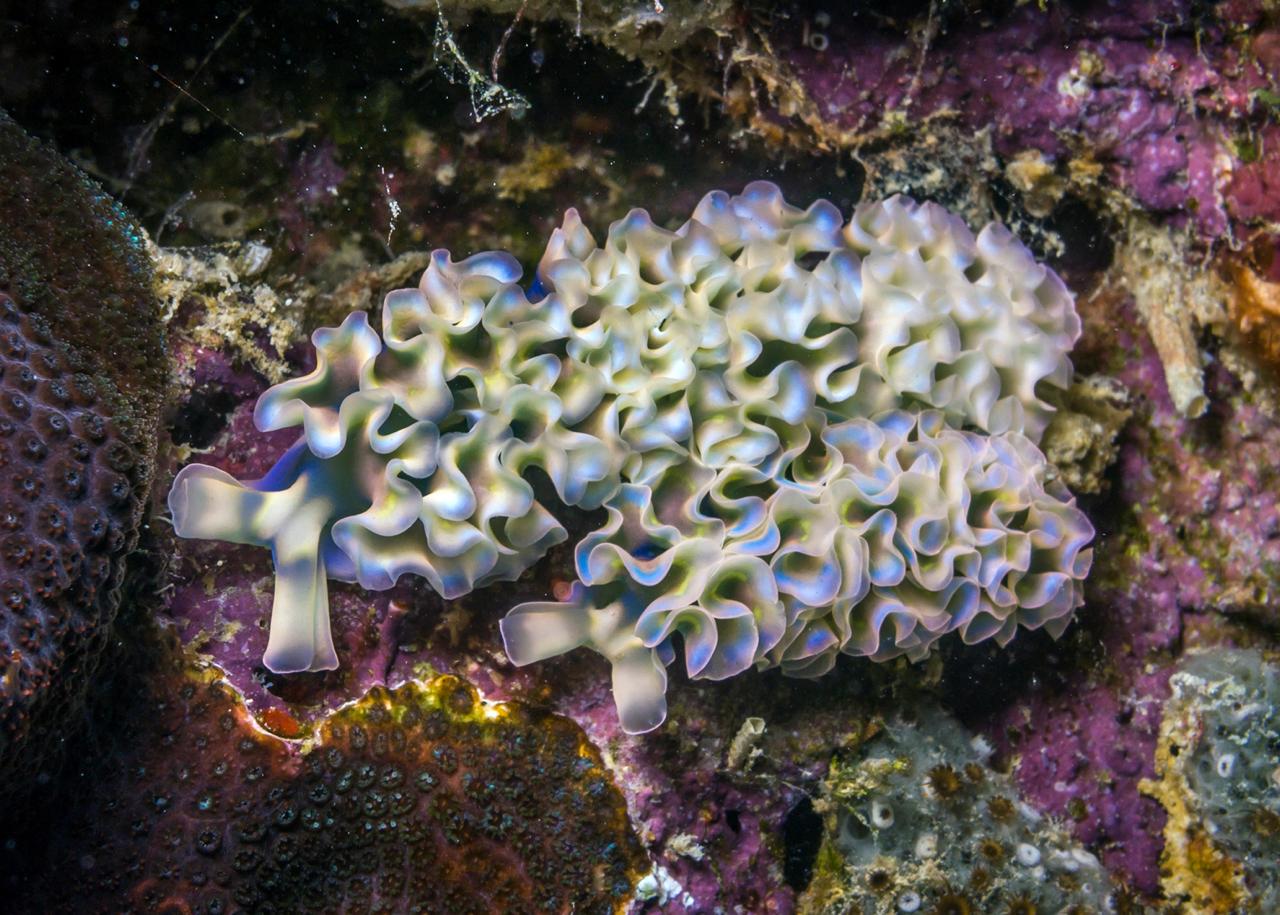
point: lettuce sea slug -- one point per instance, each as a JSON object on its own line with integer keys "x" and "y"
{"x": 810, "y": 437}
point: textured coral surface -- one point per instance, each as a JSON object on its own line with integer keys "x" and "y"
{"x": 77, "y": 434}
{"x": 417, "y": 799}
{"x": 902, "y": 835}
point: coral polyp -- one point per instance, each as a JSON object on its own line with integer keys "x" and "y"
{"x": 810, "y": 437}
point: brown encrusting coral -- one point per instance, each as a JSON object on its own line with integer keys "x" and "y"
{"x": 417, "y": 799}
{"x": 82, "y": 371}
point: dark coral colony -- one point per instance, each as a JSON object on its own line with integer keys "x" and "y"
{"x": 886, "y": 395}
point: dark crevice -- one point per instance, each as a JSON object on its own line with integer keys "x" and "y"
{"x": 202, "y": 417}
{"x": 801, "y": 839}
{"x": 733, "y": 819}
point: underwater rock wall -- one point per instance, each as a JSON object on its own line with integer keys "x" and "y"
{"x": 1156, "y": 119}
{"x": 290, "y": 186}
{"x": 1190, "y": 561}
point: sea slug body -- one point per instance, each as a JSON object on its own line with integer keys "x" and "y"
{"x": 809, "y": 437}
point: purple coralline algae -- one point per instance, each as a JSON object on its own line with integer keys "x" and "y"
{"x": 1170, "y": 100}
{"x": 809, "y": 437}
